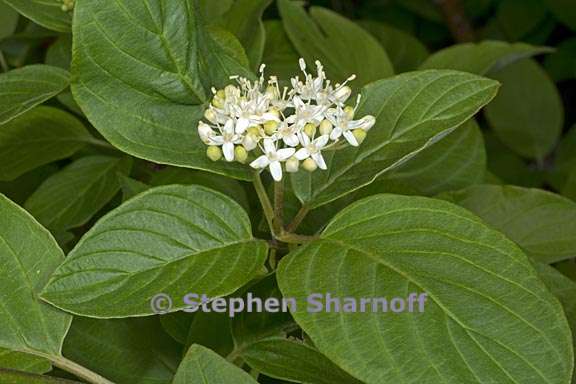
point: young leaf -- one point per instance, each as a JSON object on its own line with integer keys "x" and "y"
{"x": 527, "y": 115}
{"x": 244, "y": 20}
{"x": 47, "y": 13}
{"x": 23, "y": 89}
{"x": 341, "y": 45}
{"x": 455, "y": 162}
{"x": 392, "y": 246}
{"x": 170, "y": 240}
{"x": 39, "y": 137}
{"x": 542, "y": 223}
{"x": 202, "y": 366}
{"x": 405, "y": 51}
{"x": 28, "y": 255}
{"x": 124, "y": 350}
{"x": 413, "y": 111}
{"x": 481, "y": 58}
{"x": 69, "y": 198}
{"x": 152, "y": 110}
{"x": 294, "y": 361}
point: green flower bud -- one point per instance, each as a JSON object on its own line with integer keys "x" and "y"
{"x": 359, "y": 134}
{"x": 309, "y": 165}
{"x": 275, "y": 112}
{"x": 348, "y": 110}
{"x": 325, "y": 127}
{"x": 310, "y": 130}
{"x": 210, "y": 115}
{"x": 270, "y": 127}
{"x": 240, "y": 154}
{"x": 214, "y": 153}
{"x": 292, "y": 165}
{"x": 254, "y": 130}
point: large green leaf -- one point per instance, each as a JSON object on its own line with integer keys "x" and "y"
{"x": 126, "y": 351}
{"x": 9, "y": 376}
{"x": 342, "y": 46}
{"x": 202, "y": 366}
{"x": 294, "y": 361}
{"x": 405, "y": 51}
{"x": 172, "y": 240}
{"x": 152, "y": 110}
{"x": 69, "y": 198}
{"x": 244, "y": 20}
{"x": 542, "y": 223}
{"x": 481, "y": 58}
{"x": 28, "y": 255}
{"x": 8, "y": 20}
{"x": 527, "y": 115}
{"x": 455, "y": 162}
{"x": 487, "y": 319}
{"x": 39, "y": 137}
{"x": 23, "y": 362}
{"x": 280, "y": 56}
{"x": 412, "y": 111}
{"x": 47, "y": 13}
{"x": 23, "y": 89}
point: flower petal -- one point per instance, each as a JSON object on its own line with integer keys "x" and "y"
{"x": 336, "y": 133}
{"x": 228, "y": 150}
{"x": 242, "y": 125}
{"x": 291, "y": 140}
{"x": 302, "y": 154}
{"x": 229, "y": 127}
{"x": 261, "y": 162}
{"x": 321, "y": 141}
{"x": 285, "y": 153}
{"x": 319, "y": 159}
{"x": 351, "y": 138}
{"x": 269, "y": 146}
{"x": 276, "y": 170}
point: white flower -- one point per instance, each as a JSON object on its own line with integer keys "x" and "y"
{"x": 272, "y": 158}
{"x": 228, "y": 139}
{"x": 205, "y": 132}
{"x": 344, "y": 125}
{"x": 288, "y": 134}
{"x": 312, "y": 149}
{"x": 305, "y": 113}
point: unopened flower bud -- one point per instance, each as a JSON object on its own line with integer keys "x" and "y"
{"x": 349, "y": 111}
{"x": 325, "y": 127}
{"x": 210, "y": 115}
{"x": 270, "y": 127}
{"x": 310, "y": 130}
{"x": 250, "y": 141}
{"x": 343, "y": 93}
{"x": 254, "y": 130}
{"x": 274, "y": 112}
{"x": 240, "y": 154}
{"x": 292, "y": 165}
{"x": 230, "y": 90}
{"x": 214, "y": 153}
{"x": 271, "y": 92}
{"x": 359, "y": 134}
{"x": 309, "y": 165}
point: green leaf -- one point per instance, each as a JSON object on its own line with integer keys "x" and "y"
{"x": 23, "y": 89}
{"x": 9, "y": 376}
{"x": 211, "y": 330}
{"x": 23, "y": 362}
{"x": 280, "y": 56}
{"x": 202, "y": 366}
{"x": 487, "y": 313}
{"x": 171, "y": 240}
{"x": 244, "y": 20}
{"x": 561, "y": 65}
{"x": 527, "y": 115}
{"x": 39, "y": 137}
{"x": 413, "y": 111}
{"x": 405, "y": 51}
{"x": 21, "y": 188}
{"x": 481, "y": 58}
{"x": 294, "y": 361}
{"x": 542, "y": 223}
{"x": 28, "y": 255}
{"x": 177, "y": 325}
{"x": 564, "y": 11}
{"x": 152, "y": 110}
{"x": 518, "y": 18}
{"x": 455, "y": 162}
{"x": 8, "y": 20}
{"x": 131, "y": 187}
{"x": 47, "y": 13}
{"x": 123, "y": 350}
{"x": 343, "y": 47}
{"x": 69, "y": 198}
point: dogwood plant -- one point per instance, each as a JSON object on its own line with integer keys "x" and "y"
{"x": 277, "y": 128}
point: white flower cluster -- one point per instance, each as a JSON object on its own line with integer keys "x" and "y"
{"x": 284, "y": 127}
